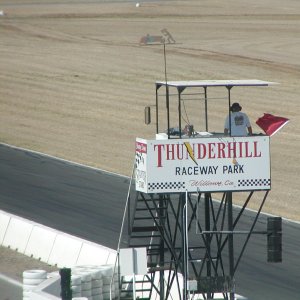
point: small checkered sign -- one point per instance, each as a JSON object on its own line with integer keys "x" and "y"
{"x": 254, "y": 182}
{"x": 166, "y": 186}
{"x": 138, "y": 159}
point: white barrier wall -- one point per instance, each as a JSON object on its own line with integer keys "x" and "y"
{"x": 50, "y": 246}
{"x": 99, "y": 255}
{"x": 60, "y": 249}
{"x": 4, "y": 220}
{"x": 43, "y": 237}
{"x": 17, "y": 228}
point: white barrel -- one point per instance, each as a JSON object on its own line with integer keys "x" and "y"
{"x": 87, "y": 293}
{"x": 76, "y": 289}
{"x": 95, "y": 271}
{"x": 106, "y": 280}
{"x": 97, "y": 283}
{"x": 96, "y": 274}
{"x": 86, "y": 285}
{"x": 33, "y": 281}
{"x": 97, "y": 291}
{"x": 85, "y": 276}
{"x": 107, "y": 270}
{"x": 53, "y": 274}
{"x": 75, "y": 280}
{"x": 35, "y": 274}
{"x": 85, "y": 268}
{"x": 106, "y": 289}
{"x": 78, "y": 269}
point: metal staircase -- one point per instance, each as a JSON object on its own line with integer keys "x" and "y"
{"x": 147, "y": 226}
{"x": 146, "y": 222}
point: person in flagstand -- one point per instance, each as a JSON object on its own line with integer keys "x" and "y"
{"x": 240, "y": 124}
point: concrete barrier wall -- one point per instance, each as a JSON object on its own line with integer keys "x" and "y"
{"x": 17, "y": 234}
{"x": 4, "y": 220}
{"x": 44, "y": 238}
{"x": 50, "y": 246}
{"x": 65, "y": 251}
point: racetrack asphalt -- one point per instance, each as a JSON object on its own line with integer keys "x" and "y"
{"x": 89, "y": 203}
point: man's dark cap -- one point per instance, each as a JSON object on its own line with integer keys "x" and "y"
{"x": 235, "y": 107}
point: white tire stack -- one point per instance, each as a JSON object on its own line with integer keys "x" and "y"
{"x": 107, "y": 272}
{"x": 76, "y": 286}
{"x": 86, "y": 285}
{"x": 53, "y": 274}
{"x": 86, "y": 282}
{"x": 100, "y": 281}
{"x": 97, "y": 284}
{"x": 31, "y": 279}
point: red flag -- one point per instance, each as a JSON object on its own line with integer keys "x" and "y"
{"x": 270, "y": 124}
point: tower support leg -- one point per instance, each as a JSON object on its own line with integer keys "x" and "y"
{"x": 162, "y": 249}
{"x": 230, "y": 240}
{"x": 184, "y": 229}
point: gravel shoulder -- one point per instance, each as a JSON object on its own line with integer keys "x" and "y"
{"x": 13, "y": 264}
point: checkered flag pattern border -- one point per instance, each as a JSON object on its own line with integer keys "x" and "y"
{"x": 254, "y": 182}
{"x": 138, "y": 158}
{"x": 166, "y": 185}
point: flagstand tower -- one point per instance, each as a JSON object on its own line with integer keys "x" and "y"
{"x": 194, "y": 243}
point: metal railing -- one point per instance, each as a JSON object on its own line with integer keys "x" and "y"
{"x": 121, "y": 231}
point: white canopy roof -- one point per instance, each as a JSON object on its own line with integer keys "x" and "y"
{"x": 207, "y": 83}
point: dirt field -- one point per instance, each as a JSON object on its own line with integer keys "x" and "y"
{"x": 12, "y": 264}
{"x": 74, "y": 79}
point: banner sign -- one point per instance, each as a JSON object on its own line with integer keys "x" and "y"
{"x": 208, "y": 164}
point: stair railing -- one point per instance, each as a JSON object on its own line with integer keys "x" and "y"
{"x": 121, "y": 231}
